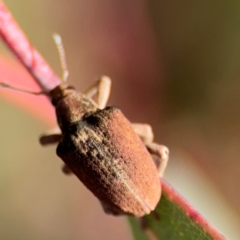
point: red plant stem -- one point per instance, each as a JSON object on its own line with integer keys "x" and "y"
{"x": 18, "y": 43}
{"x": 45, "y": 77}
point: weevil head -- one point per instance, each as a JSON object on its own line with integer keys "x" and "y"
{"x": 70, "y": 105}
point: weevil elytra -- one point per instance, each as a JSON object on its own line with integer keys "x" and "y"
{"x": 115, "y": 159}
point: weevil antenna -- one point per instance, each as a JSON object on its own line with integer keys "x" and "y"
{"x": 5, "y": 85}
{"x": 61, "y": 52}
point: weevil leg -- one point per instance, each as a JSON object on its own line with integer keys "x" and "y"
{"x": 109, "y": 210}
{"x": 100, "y": 90}
{"x": 50, "y": 137}
{"x": 66, "y": 170}
{"x": 159, "y": 152}
{"x": 160, "y": 155}
{"x": 143, "y": 221}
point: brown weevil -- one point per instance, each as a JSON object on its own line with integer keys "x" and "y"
{"x": 115, "y": 159}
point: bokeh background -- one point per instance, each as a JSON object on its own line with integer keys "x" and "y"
{"x": 174, "y": 64}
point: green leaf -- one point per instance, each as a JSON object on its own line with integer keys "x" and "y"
{"x": 174, "y": 218}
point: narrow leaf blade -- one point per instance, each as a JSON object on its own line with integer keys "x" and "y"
{"x": 174, "y": 219}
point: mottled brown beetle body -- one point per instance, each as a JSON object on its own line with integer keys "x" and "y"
{"x": 115, "y": 159}
{"x": 105, "y": 153}
{"x": 111, "y": 156}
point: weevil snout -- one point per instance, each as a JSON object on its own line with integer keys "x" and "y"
{"x": 60, "y": 92}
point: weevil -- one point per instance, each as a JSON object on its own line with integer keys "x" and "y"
{"x": 115, "y": 159}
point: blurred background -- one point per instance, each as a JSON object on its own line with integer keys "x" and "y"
{"x": 174, "y": 65}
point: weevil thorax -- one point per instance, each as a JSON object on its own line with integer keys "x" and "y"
{"x": 70, "y": 105}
